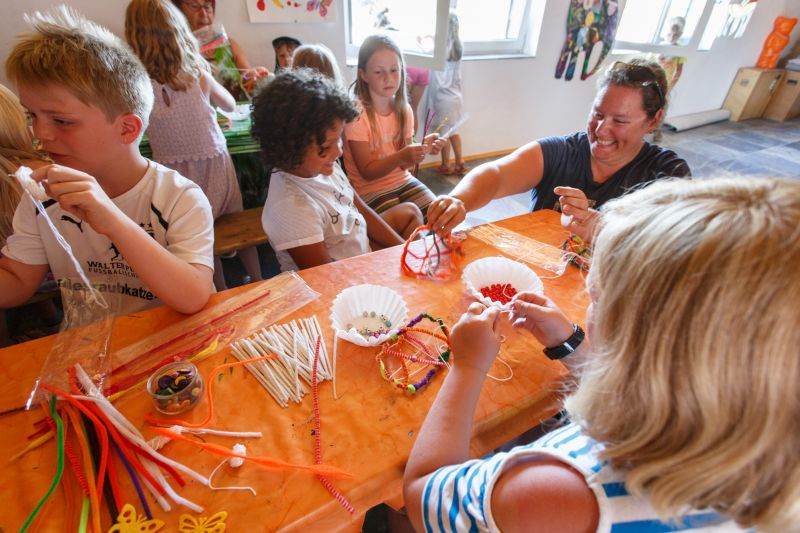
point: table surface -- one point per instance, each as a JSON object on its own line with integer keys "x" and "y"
{"x": 368, "y": 431}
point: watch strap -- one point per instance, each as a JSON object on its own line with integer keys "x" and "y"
{"x": 568, "y": 346}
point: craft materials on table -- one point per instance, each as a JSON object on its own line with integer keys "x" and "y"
{"x": 522, "y": 248}
{"x": 413, "y": 350}
{"x": 293, "y": 344}
{"x": 175, "y": 387}
{"x": 494, "y": 281}
{"x": 367, "y": 315}
{"x": 578, "y": 252}
{"x": 432, "y": 256}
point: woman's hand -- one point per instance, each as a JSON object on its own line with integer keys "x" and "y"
{"x": 79, "y": 194}
{"x": 539, "y": 315}
{"x": 576, "y": 206}
{"x": 445, "y": 213}
{"x": 434, "y": 142}
{"x": 475, "y": 339}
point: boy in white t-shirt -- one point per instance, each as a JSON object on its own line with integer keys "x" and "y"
{"x": 142, "y": 229}
{"x": 312, "y": 215}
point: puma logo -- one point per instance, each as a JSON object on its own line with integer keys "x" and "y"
{"x": 71, "y": 220}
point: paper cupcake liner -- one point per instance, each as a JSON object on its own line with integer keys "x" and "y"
{"x": 499, "y": 270}
{"x": 367, "y": 315}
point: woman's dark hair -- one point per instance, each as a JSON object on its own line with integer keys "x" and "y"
{"x": 295, "y": 110}
{"x": 642, "y": 74}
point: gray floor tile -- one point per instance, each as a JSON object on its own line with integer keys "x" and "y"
{"x": 734, "y": 141}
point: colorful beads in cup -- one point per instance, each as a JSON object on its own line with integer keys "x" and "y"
{"x": 175, "y": 387}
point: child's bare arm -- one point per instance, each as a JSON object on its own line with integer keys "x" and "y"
{"x": 184, "y": 287}
{"x": 18, "y": 281}
{"x": 216, "y": 93}
{"x": 310, "y": 255}
{"x": 372, "y": 169}
{"x": 377, "y": 228}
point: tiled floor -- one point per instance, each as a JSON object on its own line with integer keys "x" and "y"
{"x": 753, "y": 147}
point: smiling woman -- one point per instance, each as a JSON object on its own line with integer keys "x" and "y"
{"x": 571, "y": 172}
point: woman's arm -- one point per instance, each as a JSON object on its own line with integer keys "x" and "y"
{"x": 239, "y": 57}
{"x": 372, "y": 169}
{"x": 216, "y": 93}
{"x": 377, "y": 228}
{"x": 517, "y": 172}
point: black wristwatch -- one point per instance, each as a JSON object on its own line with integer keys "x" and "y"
{"x": 568, "y": 346}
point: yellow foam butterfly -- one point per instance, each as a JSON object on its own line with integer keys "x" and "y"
{"x": 129, "y": 522}
{"x": 213, "y": 524}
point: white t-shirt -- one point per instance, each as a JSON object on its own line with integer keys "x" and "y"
{"x": 301, "y": 211}
{"x": 170, "y": 208}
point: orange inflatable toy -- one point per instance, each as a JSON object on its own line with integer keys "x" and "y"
{"x": 775, "y": 42}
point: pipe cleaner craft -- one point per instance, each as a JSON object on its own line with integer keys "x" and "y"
{"x": 431, "y": 257}
{"x": 578, "y": 252}
{"x": 413, "y": 355}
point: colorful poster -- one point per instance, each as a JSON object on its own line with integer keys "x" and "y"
{"x": 289, "y": 11}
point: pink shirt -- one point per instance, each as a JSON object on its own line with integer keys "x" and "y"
{"x": 418, "y": 76}
{"x": 388, "y": 127}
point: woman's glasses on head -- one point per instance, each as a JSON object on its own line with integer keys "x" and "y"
{"x": 641, "y": 75}
{"x": 196, "y": 6}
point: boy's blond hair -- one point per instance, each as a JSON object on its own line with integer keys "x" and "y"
{"x": 692, "y": 384}
{"x": 159, "y": 34}
{"x": 89, "y": 61}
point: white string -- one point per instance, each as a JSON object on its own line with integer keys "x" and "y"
{"x": 511, "y": 372}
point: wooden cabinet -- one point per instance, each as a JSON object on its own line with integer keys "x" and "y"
{"x": 785, "y": 103}
{"x": 751, "y": 91}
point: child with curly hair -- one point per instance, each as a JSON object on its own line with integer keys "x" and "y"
{"x": 312, "y": 214}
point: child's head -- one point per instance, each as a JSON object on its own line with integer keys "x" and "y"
{"x": 692, "y": 384}
{"x": 284, "y": 48}
{"x": 159, "y": 34}
{"x": 298, "y": 119}
{"x": 675, "y": 29}
{"x": 382, "y": 74}
{"x": 88, "y": 61}
{"x": 320, "y": 58}
{"x": 455, "y": 50}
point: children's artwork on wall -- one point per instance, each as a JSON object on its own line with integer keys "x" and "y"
{"x": 291, "y": 11}
{"x": 588, "y": 23}
{"x": 739, "y": 13}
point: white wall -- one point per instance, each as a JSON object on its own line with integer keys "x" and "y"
{"x": 510, "y": 101}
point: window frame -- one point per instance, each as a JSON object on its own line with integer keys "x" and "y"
{"x": 622, "y": 47}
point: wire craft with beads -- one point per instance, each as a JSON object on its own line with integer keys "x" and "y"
{"x": 431, "y": 257}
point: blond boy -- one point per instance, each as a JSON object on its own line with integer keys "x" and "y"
{"x": 139, "y": 230}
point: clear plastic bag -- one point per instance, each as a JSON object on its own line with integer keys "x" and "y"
{"x": 522, "y": 248}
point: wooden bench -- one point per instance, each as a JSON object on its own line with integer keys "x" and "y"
{"x": 236, "y": 231}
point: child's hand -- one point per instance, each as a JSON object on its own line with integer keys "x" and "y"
{"x": 577, "y": 216}
{"x": 475, "y": 339}
{"x": 539, "y": 315}
{"x": 435, "y": 143}
{"x": 81, "y": 195}
{"x": 413, "y": 154}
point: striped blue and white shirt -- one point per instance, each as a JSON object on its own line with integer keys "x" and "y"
{"x": 458, "y": 498}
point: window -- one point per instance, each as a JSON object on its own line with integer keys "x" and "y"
{"x": 665, "y": 22}
{"x": 419, "y": 27}
{"x": 728, "y": 18}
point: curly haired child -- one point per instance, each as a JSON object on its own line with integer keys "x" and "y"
{"x": 312, "y": 214}
{"x": 378, "y": 149}
{"x": 686, "y": 416}
{"x": 183, "y": 130}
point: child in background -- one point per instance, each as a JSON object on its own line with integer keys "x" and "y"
{"x": 418, "y": 79}
{"x": 404, "y": 217}
{"x": 445, "y": 100}
{"x": 378, "y": 150}
{"x": 184, "y": 132}
{"x": 671, "y": 419}
{"x": 132, "y": 220}
{"x": 284, "y": 49}
{"x": 312, "y": 215}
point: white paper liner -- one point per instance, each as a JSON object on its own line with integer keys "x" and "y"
{"x": 491, "y": 270}
{"x": 350, "y": 305}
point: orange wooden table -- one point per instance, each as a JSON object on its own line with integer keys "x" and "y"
{"x": 368, "y": 431}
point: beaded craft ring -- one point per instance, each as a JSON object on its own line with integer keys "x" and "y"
{"x": 578, "y": 252}
{"x": 421, "y": 355}
{"x": 438, "y": 260}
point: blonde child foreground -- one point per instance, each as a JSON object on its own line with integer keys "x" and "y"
{"x": 378, "y": 149}
{"x": 183, "y": 130}
{"x": 312, "y": 215}
{"x": 134, "y": 221}
{"x": 686, "y": 416}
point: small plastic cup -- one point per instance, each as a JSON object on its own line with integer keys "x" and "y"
{"x": 175, "y": 387}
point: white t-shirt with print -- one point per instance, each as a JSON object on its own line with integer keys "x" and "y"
{"x": 170, "y": 208}
{"x": 301, "y": 211}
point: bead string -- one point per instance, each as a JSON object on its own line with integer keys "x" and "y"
{"x": 402, "y": 337}
{"x": 428, "y": 269}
